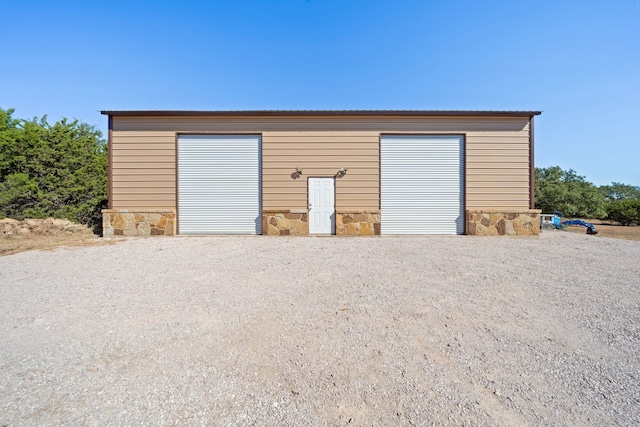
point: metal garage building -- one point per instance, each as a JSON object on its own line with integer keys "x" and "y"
{"x": 320, "y": 172}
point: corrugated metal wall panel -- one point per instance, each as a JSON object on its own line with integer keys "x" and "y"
{"x": 421, "y": 184}
{"x": 497, "y": 153}
{"x": 497, "y": 164}
{"x": 251, "y": 124}
{"x": 321, "y": 154}
{"x": 219, "y": 189}
{"x": 143, "y": 170}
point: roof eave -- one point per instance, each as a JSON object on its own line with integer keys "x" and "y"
{"x": 322, "y": 113}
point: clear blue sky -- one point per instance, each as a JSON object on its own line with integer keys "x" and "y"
{"x": 577, "y": 61}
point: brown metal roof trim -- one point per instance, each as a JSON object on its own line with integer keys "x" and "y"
{"x": 110, "y": 164}
{"x": 532, "y": 168}
{"x": 323, "y": 113}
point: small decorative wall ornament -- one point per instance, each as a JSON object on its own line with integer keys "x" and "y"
{"x": 342, "y": 172}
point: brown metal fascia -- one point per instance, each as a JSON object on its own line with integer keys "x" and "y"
{"x": 419, "y": 113}
{"x": 110, "y": 165}
{"x": 380, "y": 177}
{"x": 261, "y": 185}
{"x": 532, "y": 168}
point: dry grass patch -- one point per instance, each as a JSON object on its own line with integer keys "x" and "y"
{"x": 610, "y": 229}
{"x": 14, "y": 244}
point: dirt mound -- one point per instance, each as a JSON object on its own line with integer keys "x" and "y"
{"x": 12, "y": 228}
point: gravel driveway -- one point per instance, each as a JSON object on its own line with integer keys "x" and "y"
{"x": 323, "y": 331}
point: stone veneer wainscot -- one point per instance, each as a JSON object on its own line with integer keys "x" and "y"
{"x": 357, "y": 223}
{"x": 296, "y": 223}
{"x": 285, "y": 223}
{"x": 139, "y": 222}
{"x": 503, "y": 222}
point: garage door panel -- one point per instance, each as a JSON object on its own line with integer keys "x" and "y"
{"x": 421, "y": 184}
{"x": 219, "y": 184}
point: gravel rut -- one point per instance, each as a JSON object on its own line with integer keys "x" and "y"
{"x": 323, "y": 331}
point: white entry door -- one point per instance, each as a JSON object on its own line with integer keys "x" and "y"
{"x": 322, "y": 215}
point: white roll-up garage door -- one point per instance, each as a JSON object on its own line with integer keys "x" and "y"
{"x": 219, "y": 185}
{"x": 421, "y": 184}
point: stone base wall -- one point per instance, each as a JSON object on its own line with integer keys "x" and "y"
{"x": 123, "y": 222}
{"x": 357, "y": 223}
{"x": 524, "y": 222}
{"x": 296, "y": 223}
{"x": 139, "y": 222}
{"x": 285, "y": 223}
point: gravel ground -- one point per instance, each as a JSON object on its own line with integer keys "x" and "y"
{"x": 323, "y": 331}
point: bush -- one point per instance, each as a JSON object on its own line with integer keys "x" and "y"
{"x": 625, "y": 212}
{"x": 57, "y": 170}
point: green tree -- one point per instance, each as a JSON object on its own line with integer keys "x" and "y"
{"x": 569, "y": 193}
{"x": 619, "y": 191}
{"x": 57, "y": 170}
{"x": 625, "y": 211}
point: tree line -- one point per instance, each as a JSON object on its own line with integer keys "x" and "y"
{"x": 52, "y": 170}
{"x": 60, "y": 170}
{"x": 575, "y": 197}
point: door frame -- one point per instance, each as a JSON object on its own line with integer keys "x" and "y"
{"x": 333, "y": 221}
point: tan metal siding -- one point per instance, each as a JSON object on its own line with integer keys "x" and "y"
{"x": 497, "y": 156}
{"x": 143, "y": 169}
{"x": 448, "y": 124}
{"x": 498, "y": 169}
{"x": 320, "y": 154}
